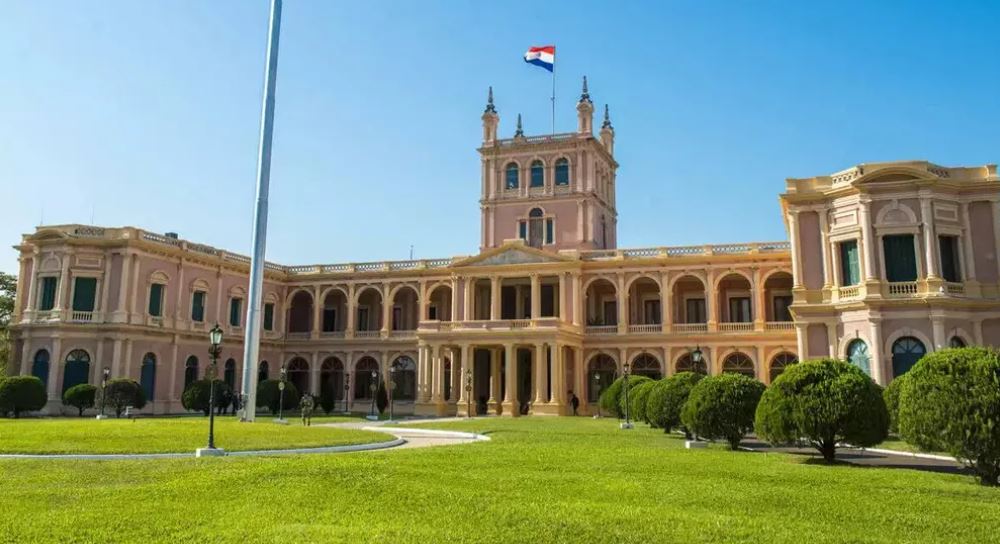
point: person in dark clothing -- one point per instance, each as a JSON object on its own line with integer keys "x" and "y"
{"x": 574, "y": 402}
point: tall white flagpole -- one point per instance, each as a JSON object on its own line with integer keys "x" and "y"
{"x": 553, "y": 91}
{"x": 251, "y": 343}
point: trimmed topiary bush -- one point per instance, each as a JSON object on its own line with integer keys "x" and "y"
{"x": 666, "y": 400}
{"x": 195, "y": 397}
{"x": 122, "y": 392}
{"x": 637, "y": 400}
{"x": 723, "y": 407}
{"x": 20, "y": 394}
{"x": 612, "y": 399}
{"x": 891, "y": 398}
{"x": 81, "y": 396}
{"x": 269, "y": 395}
{"x": 823, "y": 402}
{"x": 950, "y": 402}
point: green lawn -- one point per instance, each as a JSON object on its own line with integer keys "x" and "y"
{"x": 159, "y": 435}
{"x": 539, "y": 480}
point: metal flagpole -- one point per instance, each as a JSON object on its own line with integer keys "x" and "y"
{"x": 251, "y": 343}
{"x": 553, "y": 95}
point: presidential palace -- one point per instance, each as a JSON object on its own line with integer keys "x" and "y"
{"x": 883, "y": 263}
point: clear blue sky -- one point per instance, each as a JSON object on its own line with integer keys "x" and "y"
{"x": 146, "y": 113}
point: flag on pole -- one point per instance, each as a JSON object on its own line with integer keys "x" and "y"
{"x": 544, "y": 56}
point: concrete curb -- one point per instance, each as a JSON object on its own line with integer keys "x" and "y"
{"x": 430, "y": 433}
{"x": 909, "y": 454}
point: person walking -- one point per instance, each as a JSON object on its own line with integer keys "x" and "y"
{"x": 574, "y": 402}
{"x": 306, "y": 405}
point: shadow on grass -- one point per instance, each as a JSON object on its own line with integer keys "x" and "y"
{"x": 863, "y": 459}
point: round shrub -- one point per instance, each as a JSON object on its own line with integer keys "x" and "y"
{"x": 19, "y": 394}
{"x": 122, "y": 392}
{"x": 891, "y": 398}
{"x": 667, "y": 398}
{"x": 823, "y": 401}
{"x": 195, "y": 397}
{"x": 269, "y": 395}
{"x": 637, "y": 399}
{"x": 327, "y": 400}
{"x": 612, "y": 399}
{"x": 950, "y": 402}
{"x": 81, "y": 396}
{"x": 723, "y": 407}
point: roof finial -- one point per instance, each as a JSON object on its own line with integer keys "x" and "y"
{"x": 489, "y": 102}
{"x": 585, "y": 96}
{"x": 607, "y": 119}
{"x": 519, "y": 133}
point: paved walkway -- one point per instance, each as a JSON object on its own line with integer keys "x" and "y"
{"x": 872, "y": 457}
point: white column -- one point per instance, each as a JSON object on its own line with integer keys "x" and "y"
{"x": 937, "y": 329}
{"x": 495, "y": 374}
{"x": 996, "y": 233}
{"x": 104, "y": 288}
{"x": 580, "y": 375}
{"x": 562, "y": 297}
{"x": 759, "y": 306}
{"x": 539, "y": 381}
{"x": 558, "y": 377}
{"x": 867, "y": 242}
{"x": 578, "y": 299}
{"x": 454, "y": 304}
{"x": 467, "y": 366}
{"x": 123, "y": 287}
{"x": 536, "y": 298}
{"x": 61, "y": 299}
{"x": 36, "y": 262}
{"x": 494, "y": 298}
{"x": 510, "y": 395}
{"x": 875, "y": 351}
{"x": 968, "y": 254}
{"x": 930, "y": 240}
{"x": 824, "y": 229}
{"x": 57, "y": 368}
{"x": 666, "y": 303}
{"x": 622, "y": 303}
{"x": 352, "y": 312}
{"x": 802, "y": 344}
{"x": 793, "y": 235}
{"x": 831, "y": 339}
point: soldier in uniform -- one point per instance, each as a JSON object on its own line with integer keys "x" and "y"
{"x": 306, "y": 405}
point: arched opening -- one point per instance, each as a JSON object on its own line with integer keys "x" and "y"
{"x": 689, "y": 303}
{"x": 40, "y": 366}
{"x": 906, "y": 351}
{"x": 536, "y": 227}
{"x": 511, "y": 174}
{"x": 956, "y": 342}
{"x": 190, "y": 371}
{"x": 738, "y": 363}
{"x": 77, "y": 369}
{"x": 334, "y": 311}
{"x": 779, "y": 363}
{"x": 644, "y": 305}
{"x": 404, "y": 373}
{"x": 439, "y": 308}
{"x": 778, "y": 296}
{"x": 229, "y": 373}
{"x": 405, "y": 310}
{"x": 537, "y": 174}
{"x": 646, "y": 365}
{"x": 300, "y": 313}
{"x": 369, "y": 310}
{"x": 601, "y": 371}
{"x": 263, "y": 370}
{"x": 481, "y": 299}
{"x": 602, "y": 304}
{"x": 364, "y": 378}
{"x": 147, "y": 376}
{"x": 331, "y": 378}
{"x": 562, "y": 172}
{"x": 735, "y": 301}
{"x": 857, "y": 355}
{"x": 686, "y": 363}
{"x": 298, "y": 374}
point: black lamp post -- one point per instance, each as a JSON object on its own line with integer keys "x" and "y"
{"x": 282, "y": 378}
{"x": 215, "y": 337}
{"x": 597, "y": 387}
{"x": 104, "y": 390}
{"x": 373, "y": 387}
{"x": 347, "y": 391}
{"x": 696, "y": 357}
{"x": 468, "y": 393}
{"x": 392, "y": 389}
{"x": 625, "y": 374}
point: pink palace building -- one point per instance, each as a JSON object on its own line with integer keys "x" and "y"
{"x": 884, "y": 263}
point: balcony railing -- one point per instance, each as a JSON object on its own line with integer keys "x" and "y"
{"x": 403, "y": 334}
{"x": 746, "y": 326}
{"x": 297, "y": 335}
{"x": 46, "y": 315}
{"x": 779, "y": 326}
{"x": 432, "y": 325}
{"x": 849, "y": 292}
{"x": 332, "y": 334}
{"x": 902, "y": 289}
{"x": 690, "y": 328}
{"x": 367, "y": 334}
{"x": 954, "y": 289}
{"x": 81, "y": 317}
{"x": 602, "y": 329}
{"x": 645, "y": 328}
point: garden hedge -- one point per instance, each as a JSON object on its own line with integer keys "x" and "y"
{"x": 20, "y": 394}
{"x": 269, "y": 395}
{"x": 196, "y": 396}
{"x": 637, "y": 400}
{"x": 613, "y": 397}
{"x": 723, "y": 406}
{"x": 81, "y": 396}
{"x": 667, "y": 398}
{"x": 122, "y": 392}
{"x": 891, "y": 398}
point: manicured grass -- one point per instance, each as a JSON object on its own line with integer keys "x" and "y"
{"x": 539, "y": 480}
{"x": 164, "y": 435}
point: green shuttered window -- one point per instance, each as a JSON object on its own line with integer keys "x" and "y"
{"x": 234, "y": 311}
{"x": 900, "y": 258}
{"x": 269, "y": 316}
{"x": 84, "y": 293}
{"x": 850, "y": 270}
{"x": 198, "y": 306}
{"x": 48, "y": 293}
{"x": 950, "y": 269}
{"x": 156, "y": 300}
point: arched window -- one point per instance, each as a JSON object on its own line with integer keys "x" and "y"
{"x": 298, "y": 374}
{"x": 562, "y": 172}
{"x": 229, "y": 374}
{"x": 780, "y": 362}
{"x": 405, "y": 376}
{"x": 147, "y": 376}
{"x": 956, "y": 342}
{"x": 77, "y": 369}
{"x": 537, "y": 174}
{"x": 363, "y": 378}
{"x": 601, "y": 373}
{"x": 905, "y": 353}
{"x": 738, "y": 363}
{"x": 686, "y": 364}
{"x": 331, "y": 378}
{"x": 300, "y": 313}
{"x": 535, "y": 227}
{"x": 263, "y": 369}
{"x": 190, "y": 371}
{"x": 512, "y": 174}
{"x": 40, "y": 366}
{"x": 646, "y": 365}
{"x": 857, "y": 355}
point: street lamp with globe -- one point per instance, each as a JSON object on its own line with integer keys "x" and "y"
{"x": 215, "y": 348}
{"x": 104, "y": 391}
{"x": 597, "y": 388}
{"x": 625, "y": 373}
{"x": 468, "y": 393}
{"x": 347, "y": 391}
{"x": 282, "y": 379}
{"x": 392, "y": 389}
{"x": 373, "y": 387}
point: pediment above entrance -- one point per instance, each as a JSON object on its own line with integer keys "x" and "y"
{"x": 513, "y": 253}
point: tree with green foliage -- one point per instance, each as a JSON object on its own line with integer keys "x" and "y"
{"x": 81, "y": 396}
{"x": 823, "y": 402}
{"x": 8, "y": 292}
{"x": 612, "y": 399}
{"x": 950, "y": 402}
{"x": 195, "y": 397}
{"x": 20, "y": 394}
{"x": 327, "y": 399}
{"x": 381, "y": 398}
{"x": 637, "y": 399}
{"x": 667, "y": 398}
{"x": 723, "y": 406}
{"x": 121, "y": 392}
{"x": 269, "y": 395}
{"x": 891, "y": 398}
